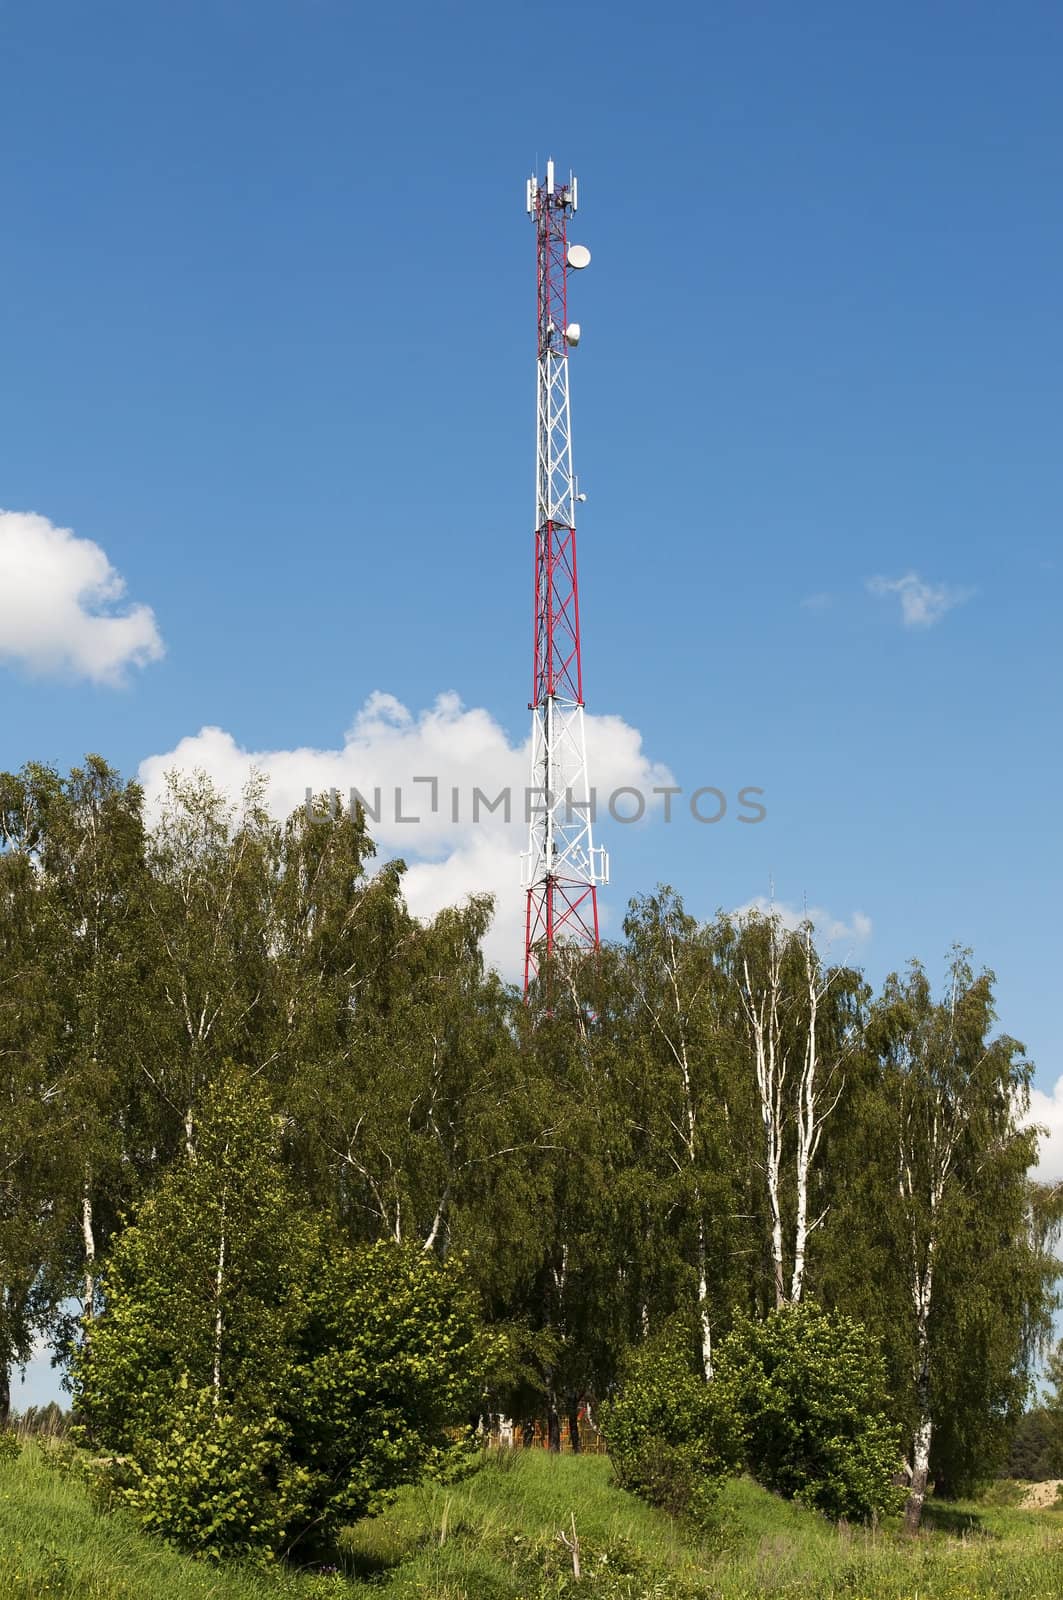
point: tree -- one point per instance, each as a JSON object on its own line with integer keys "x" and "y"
{"x": 414, "y": 1096}
{"x": 34, "y": 1153}
{"x": 213, "y": 875}
{"x": 1052, "y": 1412}
{"x": 255, "y": 1378}
{"x": 91, "y": 872}
{"x": 956, "y": 1216}
{"x": 567, "y": 1243}
{"x": 1035, "y": 1452}
{"x": 802, "y": 1021}
{"x": 810, "y": 1391}
{"x": 390, "y": 1362}
{"x": 678, "y": 1083}
{"x": 673, "y": 1438}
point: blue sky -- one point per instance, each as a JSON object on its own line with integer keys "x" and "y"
{"x": 267, "y": 342}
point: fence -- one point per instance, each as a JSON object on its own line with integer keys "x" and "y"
{"x": 535, "y": 1436}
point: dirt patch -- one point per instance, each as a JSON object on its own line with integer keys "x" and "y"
{"x": 1040, "y": 1495}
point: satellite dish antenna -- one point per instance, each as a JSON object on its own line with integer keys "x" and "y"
{"x": 578, "y": 256}
{"x": 572, "y": 333}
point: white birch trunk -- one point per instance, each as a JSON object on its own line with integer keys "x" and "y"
{"x": 703, "y": 1307}
{"x": 770, "y": 1066}
{"x": 942, "y": 1147}
{"x": 816, "y": 1099}
{"x": 687, "y": 1131}
{"x": 219, "y": 1283}
{"x": 913, "y": 1511}
{"x": 88, "y": 1237}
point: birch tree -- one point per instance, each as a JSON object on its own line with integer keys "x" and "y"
{"x": 569, "y": 1224}
{"x": 93, "y": 877}
{"x": 32, "y": 1184}
{"x": 412, "y": 1099}
{"x": 205, "y": 1283}
{"x": 959, "y": 1158}
{"x": 802, "y": 1020}
{"x": 684, "y": 1110}
{"x": 765, "y": 1005}
{"x": 210, "y": 912}
{"x": 832, "y": 1028}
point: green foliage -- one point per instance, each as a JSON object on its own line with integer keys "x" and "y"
{"x": 1036, "y": 1449}
{"x": 390, "y": 1357}
{"x": 1004, "y": 1492}
{"x": 10, "y": 1446}
{"x": 937, "y": 1240}
{"x": 54, "y": 1545}
{"x": 214, "y": 1482}
{"x": 672, "y": 1437}
{"x": 600, "y": 1158}
{"x": 1053, "y": 1408}
{"x": 254, "y": 1377}
{"x": 205, "y": 1290}
{"x": 810, "y": 1390}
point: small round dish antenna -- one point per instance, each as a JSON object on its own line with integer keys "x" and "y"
{"x": 578, "y": 256}
{"x": 572, "y": 333}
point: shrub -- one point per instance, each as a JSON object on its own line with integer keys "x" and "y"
{"x": 672, "y": 1437}
{"x": 390, "y": 1361}
{"x": 10, "y": 1448}
{"x": 216, "y": 1484}
{"x": 256, "y": 1380}
{"x": 810, "y": 1389}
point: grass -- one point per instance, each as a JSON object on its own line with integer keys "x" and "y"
{"x": 462, "y": 1542}
{"x": 496, "y": 1536}
{"x": 53, "y": 1546}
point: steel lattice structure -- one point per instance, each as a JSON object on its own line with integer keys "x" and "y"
{"x": 562, "y": 866}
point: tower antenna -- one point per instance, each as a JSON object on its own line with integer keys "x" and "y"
{"x": 562, "y": 865}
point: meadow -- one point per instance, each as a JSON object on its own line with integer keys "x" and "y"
{"x": 507, "y": 1533}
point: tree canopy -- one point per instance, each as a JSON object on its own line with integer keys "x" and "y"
{"x": 210, "y": 1014}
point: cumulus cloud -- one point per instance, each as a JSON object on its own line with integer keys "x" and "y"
{"x": 922, "y": 603}
{"x": 391, "y": 755}
{"x": 61, "y": 605}
{"x": 830, "y": 929}
{"x": 1047, "y": 1110}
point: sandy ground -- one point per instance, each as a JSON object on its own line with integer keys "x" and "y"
{"x": 1039, "y": 1495}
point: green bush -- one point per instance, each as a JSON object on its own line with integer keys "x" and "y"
{"x": 255, "y": 1380}
{"x": 810, "y": 1389}
{"x": 672, "y": 1437}
{"x": 215, "y": 1484}
{"x": 389, "y": 1364}
{"x": 10, "y": 1448}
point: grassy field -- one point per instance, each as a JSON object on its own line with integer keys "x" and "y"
{"x": 496, "y": 1537}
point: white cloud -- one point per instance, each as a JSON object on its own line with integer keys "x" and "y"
{"x": 829, "y": 929}
{"x": 58, "y": 599}
{"x": 922, "y": 603}
{"x": 1047, "y": 1109}
{"x": 387, "y": 748}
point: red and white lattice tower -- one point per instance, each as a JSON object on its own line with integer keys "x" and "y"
{"x": 562, "y": 865}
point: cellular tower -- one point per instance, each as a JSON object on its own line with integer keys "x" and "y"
{"x": 562, "y": 865}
